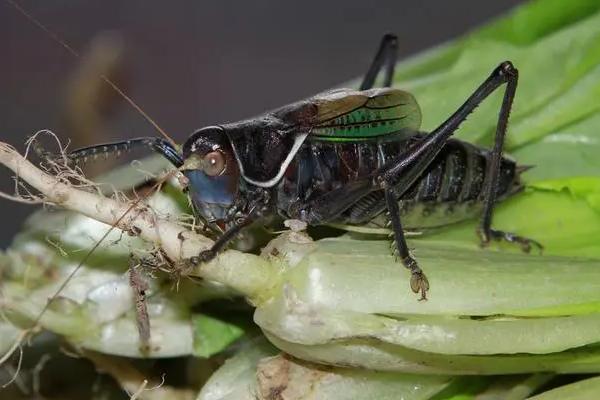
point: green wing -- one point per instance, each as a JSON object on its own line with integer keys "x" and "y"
{"x": 350, "y": 115}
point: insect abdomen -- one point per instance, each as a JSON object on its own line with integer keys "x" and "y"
{"x": 448, "y": 191}
{"x": 458, "y": 174}
{"x": 451, "y": 189}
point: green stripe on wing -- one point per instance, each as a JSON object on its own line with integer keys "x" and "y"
{"x": 348, "y": 115}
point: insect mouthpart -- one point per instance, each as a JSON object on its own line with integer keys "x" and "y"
{"x": 212, "y": 195}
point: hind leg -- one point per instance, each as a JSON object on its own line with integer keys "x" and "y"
{"x": 418, "y": 280}
{"x": 485, "y": 231}
{"x": 398, "y": 174}
{"x": 525, "y": 243}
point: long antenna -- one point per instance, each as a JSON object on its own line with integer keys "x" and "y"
{"x": 157, "y": 185}
{"x": 75, "y": 54}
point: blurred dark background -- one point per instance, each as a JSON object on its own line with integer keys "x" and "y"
{"x": 192, "y": 63}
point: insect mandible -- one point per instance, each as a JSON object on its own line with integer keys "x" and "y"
{"x": 349, "y": 157}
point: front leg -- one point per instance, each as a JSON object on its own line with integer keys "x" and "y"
{"x": 221, "y": 242}
{"x": 418, "y": 280}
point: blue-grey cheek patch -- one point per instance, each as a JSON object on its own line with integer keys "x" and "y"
{"x": 211, "y": 189}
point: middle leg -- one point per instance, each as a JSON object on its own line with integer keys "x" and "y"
{"x": 418, "y": 280}
{"x": 384, "y": 58}
{"x": 490, "y": 191}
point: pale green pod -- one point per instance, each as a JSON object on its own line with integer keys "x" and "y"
{"x": 361, "y": 276}
{"x": 512, "y": 387}
{"x": 372, "y": 354}
{"x": 307, "y": 323}
{"x": 8, "y": 336}
{"x": 258, "y": 373}
{"x": 95, "y": 310}
{"x": 236, "y": 379}
{"x": 346, "y": 302}
{"x": 582, "y": 390}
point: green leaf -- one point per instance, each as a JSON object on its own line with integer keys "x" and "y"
{"x": 564, "y": 224}
{"x": 536, "y": 19}
{"x": 558, "y": 77}
{"x": 571, "y": 151}
{"x": 212, "y": 335}
{"x": 587, "y": 188}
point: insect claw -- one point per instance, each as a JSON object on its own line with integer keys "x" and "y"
{"x": 419, "y": 283}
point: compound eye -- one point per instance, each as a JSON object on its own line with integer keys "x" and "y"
{"x": 214, "y": 163}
